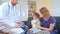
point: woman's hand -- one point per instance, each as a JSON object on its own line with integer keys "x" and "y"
{"x": 46, "y": 29}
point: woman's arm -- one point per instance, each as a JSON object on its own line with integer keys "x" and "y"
{"x": 50, "y": 28}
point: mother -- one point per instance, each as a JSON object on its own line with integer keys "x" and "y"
{"x": 48, "y": 21}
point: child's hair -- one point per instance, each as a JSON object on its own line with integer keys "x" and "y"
{"x": 37, "y": 15}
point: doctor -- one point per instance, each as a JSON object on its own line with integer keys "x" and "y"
{"x": 10, "y": 15}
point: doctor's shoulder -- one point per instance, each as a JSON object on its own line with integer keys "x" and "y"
{"x": 4, "y": 4}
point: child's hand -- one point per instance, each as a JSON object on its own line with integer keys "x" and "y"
{"x": 38, "y": 26}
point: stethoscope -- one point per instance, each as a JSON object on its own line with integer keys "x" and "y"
{"x": 8, "y": 10}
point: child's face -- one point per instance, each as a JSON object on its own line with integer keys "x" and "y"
{"x": 34, "y": 17}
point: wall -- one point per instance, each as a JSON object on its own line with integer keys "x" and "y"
{"x": 52, "y": 5}
{"x": 55, "y": 7}
{"x": 42, "y": 3}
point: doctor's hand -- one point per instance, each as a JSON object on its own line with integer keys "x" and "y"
{"x": 17, "y": 25}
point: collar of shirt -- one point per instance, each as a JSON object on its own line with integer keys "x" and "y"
{"x": 11, "y": 5}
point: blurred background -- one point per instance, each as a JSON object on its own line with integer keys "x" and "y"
{"x": 29, "y": 7}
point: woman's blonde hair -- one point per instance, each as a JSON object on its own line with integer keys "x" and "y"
{"x": 44, "y": 10}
